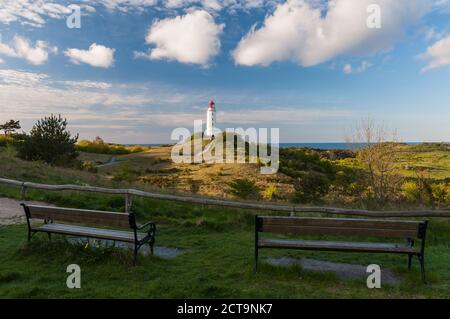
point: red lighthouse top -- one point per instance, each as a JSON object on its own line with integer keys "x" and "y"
{"x": 212, "y": 105}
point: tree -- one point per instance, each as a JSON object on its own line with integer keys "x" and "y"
{"x": 379, "y": 156}
{"x": 10, "y": 127}
{"x": 50, "y": 141}
{"x": 310, "y": 186}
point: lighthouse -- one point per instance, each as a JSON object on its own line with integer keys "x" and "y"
{"x": 210, "y": 119}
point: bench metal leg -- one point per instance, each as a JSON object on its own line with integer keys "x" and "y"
{"x": 136, "y": 250}
{"x": 151, "y": 245}
{"x": 49, "y": 236}
{"x": 410, "y": 256}
{"x": 255, "y": 269}
{"x": 422, "y": 268}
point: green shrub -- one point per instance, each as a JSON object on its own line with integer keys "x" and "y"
{"x": 310, "y": 187}
{"x": 9, "y": 151}
{"x": 98, "y": 146}
{"x": 50, "y": 142}
{"x": 125, "y": 173}
{"x": 243, "y": 188}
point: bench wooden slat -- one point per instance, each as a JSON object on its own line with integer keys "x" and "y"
{"x": 341, "y": 222}
{"x": 315, "y": 230}
{"x": 80, "y": 216}
{"x": 90, "y": 232}
{"x": 337, "y": 246}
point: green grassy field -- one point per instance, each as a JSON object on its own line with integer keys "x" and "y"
{"x": 217, "y": 262}
{"x": 218, "y": 258}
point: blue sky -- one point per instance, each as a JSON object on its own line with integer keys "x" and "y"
{"x": 137, "y": 69}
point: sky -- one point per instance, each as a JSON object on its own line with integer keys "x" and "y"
{"x": 135, "y": 70}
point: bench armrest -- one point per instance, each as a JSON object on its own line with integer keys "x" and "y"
{"x": 140, "y": 227}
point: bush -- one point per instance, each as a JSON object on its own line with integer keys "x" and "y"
{"x": 10, "y": 151}
{"x": 125, "y": 174}
{"x": 89, "y": 166}
{"x": 98, "y": 146}
{"x": 243, "y": 188}
{"x": 311, "y": 186}
{"x": 411, "y": 192}
{"x": 271, "y": 192}
{"x": 50, "y": 142}
{"x": 441, "y": 193}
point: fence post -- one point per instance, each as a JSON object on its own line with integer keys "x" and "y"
{"x": 128, "y": 203}
{"x": 23, "y": 192}
{"x": 292, "y": 213}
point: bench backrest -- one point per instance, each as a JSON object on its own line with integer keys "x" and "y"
{"x": 341, "y": 226}
{"x": 71, "y": 215}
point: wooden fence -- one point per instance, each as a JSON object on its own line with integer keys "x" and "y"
{"x": 290, "y": 209}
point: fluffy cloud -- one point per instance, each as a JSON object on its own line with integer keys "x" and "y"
{"x": 438, "y": 55}
{"x": 96, "y": 56}
{"x": 192, "y": 38}
{"x": 23, "y": 49}
{"x": 300, "y": 31}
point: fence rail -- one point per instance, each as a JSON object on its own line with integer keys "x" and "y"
{"x": 291, "y": 209}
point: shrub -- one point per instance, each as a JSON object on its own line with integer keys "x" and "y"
{"x": 98, "y": 146}
{"x": 441, "y": 193}
{"x": 311, "y": 186}
{"x": 243, "y": 188}
{"x": 125, "y": 173}
{"x": 271, "y": 192}
{"x": 411, "y": 191}
{"x": 10, "y": 151}
{"x": 50, "y": 142}
{"x": 89, "y": 166}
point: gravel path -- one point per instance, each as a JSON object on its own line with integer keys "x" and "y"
{"x": 11, "y": 212}
{"x": 342, "y": 270}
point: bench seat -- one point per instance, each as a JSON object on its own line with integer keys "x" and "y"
{"x": 338, "y": 246}
{"x": 81, "y": 231}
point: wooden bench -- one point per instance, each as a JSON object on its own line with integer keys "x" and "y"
{"x": 408, "y": 230}
{"x": 53, "y": 216}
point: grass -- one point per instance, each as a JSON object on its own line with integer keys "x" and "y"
{"x": 217, "y": 262}
{"x": 218, "y": 257}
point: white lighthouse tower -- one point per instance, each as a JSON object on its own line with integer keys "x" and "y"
{"x": 210, "y": 119}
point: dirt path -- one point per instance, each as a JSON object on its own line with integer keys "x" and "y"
{"x": 11, "y": 212}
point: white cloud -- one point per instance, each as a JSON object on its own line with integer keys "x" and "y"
{"x": 23, "y": 49}
{"x": 1, "y": 61}
{"x": 22, "y": 78}
{"x": 34, "y": 12}
{"x": 281, "y": 115}
{"x": 191, "y": 38}
{"x": 96, "y": 56}
{"x": 88, "y": 84}
{"x": 125, "y": 5}
{"x": 300, "y": 31}
{"x": 210, "y": 5}
{"x": 349, "y": 69}
{"x": 437, "y": 55}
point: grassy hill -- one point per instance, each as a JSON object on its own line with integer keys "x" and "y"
{"x": 218, "y": 242}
